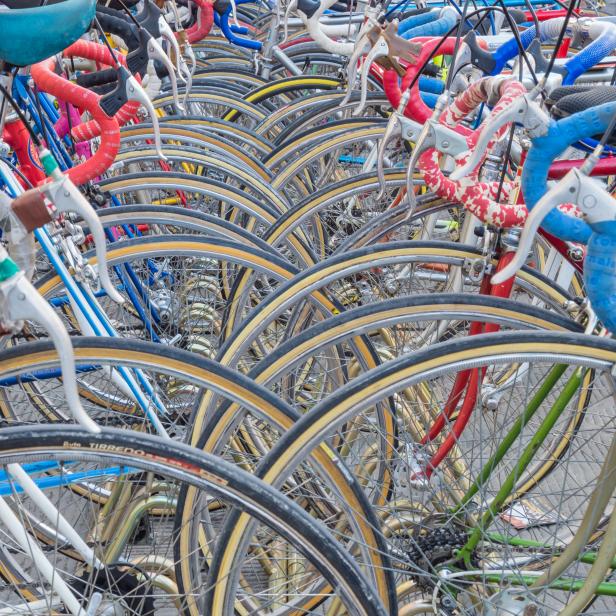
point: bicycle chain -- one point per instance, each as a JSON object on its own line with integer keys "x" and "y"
{"x": 435, "y": 548}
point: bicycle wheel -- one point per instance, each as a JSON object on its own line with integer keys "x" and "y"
{"x": 310, "y": 57}
{"x": 146, "y": 220}
{"x": 218, "y": 44}
{"x": 238, "y": 146}
{"x": 215, "y": 106}
{"x": 377, "y": 107}
{"x": 371, "y": 274}
{"x": 222, "y": 72}
{"x": 321, "y": 359}
{"x": 175, "y": 280}
{"x": 242, "y": 137}
{"x": 145, "y": 160}
{"x": 466, "y": 540}
{"x": 282, "y": 91}
{"x": 323, "y": 156}
{"x": 191, "y": 373}
{"x": 291, "y": 119}
{"x": 175, "y": 287}
{"x": 204, "y": 194}
{"x": 136, "y": 576}
{"x": 330, "y": 216}
{"x": 209, "y": 196}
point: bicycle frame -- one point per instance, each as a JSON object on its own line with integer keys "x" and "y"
{"x": 132, "y": 382}
{"x": 88, "y": 312}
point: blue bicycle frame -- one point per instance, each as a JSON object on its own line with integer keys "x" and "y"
{"x": 87, "y": 307}
{"x": 136, "y": 292}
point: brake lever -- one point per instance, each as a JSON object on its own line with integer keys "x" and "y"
{"x": 310, "y": 12}
{"x": 523, "y": 111}
{"x": 66, "y": 197}
{"x": 361, "y": 46}
{"x": 393, "y": 128}
{"x": 186, "y": 51}
{"x": 168, "y": 34}
{"x": 433, "y": 134}
{"x": 234, "y": 14}
{"x": 291, "y": 6}
{"x": 595, "y": 203}
{"x": 132, "y": 91}
{"x": 190, "y": 53}
{"x": 156, "y": 52}
{"x": 189, "y": 78}
{"x": 21, "y": 301}
{"x": 397, "y": 125}
{"x": 149, "y": 18}
{"x": 138, "y": 94}
{"x": 389, "y": 44}
{"x": 380, "y": 49}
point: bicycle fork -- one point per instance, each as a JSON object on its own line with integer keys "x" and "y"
{"x": 468, "y": 382}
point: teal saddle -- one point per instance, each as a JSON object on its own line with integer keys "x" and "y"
{"x": 30, "y": 33}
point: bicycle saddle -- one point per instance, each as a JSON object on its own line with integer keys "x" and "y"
{"x": 35, "y": 33}
{"x": 26, "y": 4}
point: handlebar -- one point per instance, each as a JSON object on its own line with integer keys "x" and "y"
{"x": 48, "y": 81}
{"x": 120, "y": 27}
{"x": 418, "y": 18}
{"x": 521, "y": 110}
{"x": 223, "y": 23}
{"x": 604, "y": 35}
{"x": 401, "y": 16}
{"x": 66, "y": 198}
{"x": 310, "y": 12}
{"x": 477, "y": 196}
{"x": 545, "y": 149}
{"x": 99, "y": 53}
{"x": 443, "y": 22}
{"x": 416, "y": 109}
{"x": 604, "y": 41}
{"x": 597, "y": 206}
{"x": 96, "y": 79}
{"x": 205, "y": 18}
{"x": 150, "y": 18}
{"x": 144, "y": 45}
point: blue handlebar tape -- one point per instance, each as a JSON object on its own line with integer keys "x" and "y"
{"x": 545, "y": 149}
{"x": 431, "y": 85}
{"x": 590, "y": 55}
{"x": 438, "y": 27}
{"x": 233, "y": 38}
{"x": 600, "y": 277}
{"x": 509, "y": 50}
{"x": 417, "y": 20}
